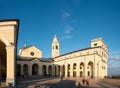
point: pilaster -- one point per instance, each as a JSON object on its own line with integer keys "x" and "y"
{"x": 40, "y": 70}
{"x": 30, "y": 70}
{"x": 65, "y": 70}
{"x": 71, "y": 70}
{"x": 10, "y": 65}
{"x": 85, "y": 70}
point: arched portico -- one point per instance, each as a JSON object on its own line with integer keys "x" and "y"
{"x": 18, "y": 70}
{"x": 8, "y": 44}
{"x": 35, "y": 69}
{"x": 74, "y": 70}
{"x": 3, "y": 62}
{"x": 90, "y": 69}
{"x": 25, "y": 69}
{"x": 50, "y": 70}
{"x": 82, "y": 69}
{"x": 44, "y": 70}
{"x": 68, "y": 70}
{"x": 7, "y": 60}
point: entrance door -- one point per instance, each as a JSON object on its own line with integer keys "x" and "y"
{"x": 81, "y": 73}
{"x": 3, "y": 66}
{"x": 74, "y": 73}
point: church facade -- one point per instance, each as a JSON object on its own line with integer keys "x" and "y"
{"x": 88, "y": 63}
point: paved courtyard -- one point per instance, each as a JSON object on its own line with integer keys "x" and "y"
{"x": 37, "y": 82}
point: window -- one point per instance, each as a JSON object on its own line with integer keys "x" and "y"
{"x": 95, "y": 44}
{"x": 80, "y": 67}
{"x": 56, "y": 47}
{"x": 74, "y": 66}
{"x": 88, "y": 73}
{"x": 102, "y": 52}
{"x": 32, "y": 53}
{"x": 104, "y": 67}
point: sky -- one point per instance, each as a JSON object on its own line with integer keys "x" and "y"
{"x": 75, "y": 22}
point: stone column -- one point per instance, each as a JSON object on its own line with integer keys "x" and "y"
{"x": 46, "y": 69}
{"x": 29, "y": 70}
{"x": 65, "y": 70}
{"x": 56, "y": 70}
{"x": 85, "y": 67}
{"x": 21, "y": 69}
{"x": 94, "y": 66}
{"x": 53, "y": 72}
{"x": 40, "y": 70}
{"x": 11, "y": 64}
{"x": 61, "y": 71}
{"x": 85, "y": 70}
{"x": 78, "y": 70}
{"x": 71, "y": 70}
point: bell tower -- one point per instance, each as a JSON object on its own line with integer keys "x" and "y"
{"x": 55, "y": 47}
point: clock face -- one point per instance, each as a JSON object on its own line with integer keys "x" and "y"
{"x": 32, "y": 53}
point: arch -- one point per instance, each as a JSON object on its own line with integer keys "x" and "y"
{"x": 68, "y": 70}
{"x": 90, "y": 69}
{"x": 44, "y": 72}
{"x": 4, "y": 40}
{"x": 25, "y": 69}
{"x": 82, "y": 69}
{"x": 18, "y": 70}
{"x": 35, "y": 69}
{"x": 49, "y": 70}
{"x": 74, "y": 70}
{"x": 3, "y": 61}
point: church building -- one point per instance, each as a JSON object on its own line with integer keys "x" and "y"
{"x": 89, "y": 62}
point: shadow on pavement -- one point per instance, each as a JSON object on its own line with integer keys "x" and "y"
{"x": 63, "y": 84}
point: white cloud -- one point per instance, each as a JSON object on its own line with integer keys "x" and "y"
{"x": 68, "y": 29}
{"x": 115, "y": 58}
{"x": 65, "y": 14}
{"x": 114, "y": 55}
{"x": 66, "y": 36}
{"x": 114, "y": 62}
{"x": 67, "y": 32}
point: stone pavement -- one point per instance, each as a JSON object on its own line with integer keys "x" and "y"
{"x": 55, "y": 82}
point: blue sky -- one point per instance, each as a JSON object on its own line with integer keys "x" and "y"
{"x": 75, "y": 22}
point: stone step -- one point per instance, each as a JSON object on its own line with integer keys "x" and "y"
{"x": 3, "y": 85}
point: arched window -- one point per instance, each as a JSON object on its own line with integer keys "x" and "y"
{"x": 56, "y": 47}
{"x": 74, "y": 66}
